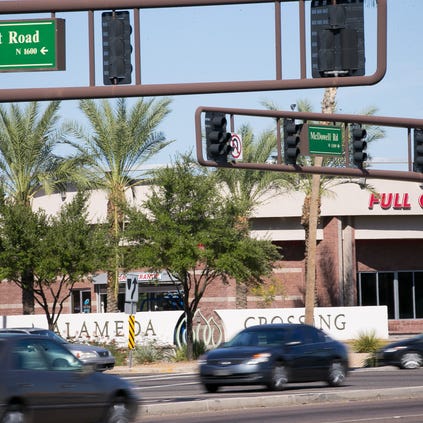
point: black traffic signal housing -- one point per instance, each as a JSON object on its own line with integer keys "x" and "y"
{"x": 217, "y": 138}
{"x": 337, "y": 38}
{"x": 291, "y": 141}
{"x": 359, "y": 145}
{"x": 117, "y": 49}
{"x": 418, "y": 150}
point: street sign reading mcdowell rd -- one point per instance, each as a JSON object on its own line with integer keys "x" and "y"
{"x": 325, "y": 140}
{"x": 32, "y": 45}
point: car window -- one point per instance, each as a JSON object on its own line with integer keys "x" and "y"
{"x": 42, "y": 354}
{"x": 258, "y": 338}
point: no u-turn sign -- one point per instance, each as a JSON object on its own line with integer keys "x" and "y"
{"x": 236, "y": 144}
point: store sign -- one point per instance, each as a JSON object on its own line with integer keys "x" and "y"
{"x": 390, "y": 200}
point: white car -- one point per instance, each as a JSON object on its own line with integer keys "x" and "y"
{"x": 101, "y": 358}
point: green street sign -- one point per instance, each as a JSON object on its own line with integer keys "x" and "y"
{"x": 32, "y": 45}
{"x": 325, "y": 140}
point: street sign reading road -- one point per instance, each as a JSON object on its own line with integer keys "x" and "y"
{"x": 325, "y": 140}
{"x": 32, "y": 45}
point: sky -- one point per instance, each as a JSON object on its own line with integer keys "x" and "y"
{"x": 235, "y": 43}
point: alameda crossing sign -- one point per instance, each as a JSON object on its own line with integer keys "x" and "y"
{"x": 32, "y": 45}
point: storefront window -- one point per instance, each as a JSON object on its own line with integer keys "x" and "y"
{"x": 81, "y": 301}
{"x": 401, "y": 292}
{"x": 405, "y": 295}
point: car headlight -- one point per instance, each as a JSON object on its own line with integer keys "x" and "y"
{"x": 201, "y": 360}
{"x": 84, "y": 355}
{"x": 258, "y": 358}
{"x": 395, "y": 349}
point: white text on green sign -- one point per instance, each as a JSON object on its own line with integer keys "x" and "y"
{"x": 325, "y": 140}
{"x": 32, "y": 45}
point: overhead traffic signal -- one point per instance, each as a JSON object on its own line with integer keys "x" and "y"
{"x": 217, "y": 138}
{"x": 418, "y": 150}
{"x": 117, "y": 48}
{"x": 359, "y": 145}
{"x": 291, "y": 141}
{"x": 337, "y": 38}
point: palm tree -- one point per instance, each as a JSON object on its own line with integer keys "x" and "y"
{"x": 119, "y": 140}
{"x": 313, "y": 188}
{"x": 28, "y": 163}
{"x": 249, "y": 188}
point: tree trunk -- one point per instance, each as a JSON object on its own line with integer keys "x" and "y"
{"x": 241, "y": 295}
{"x": 28, "y": 303}
{"x": 328, "y": 106}
{"x": 112, "y": 303}
{"x": 311, "y": 245}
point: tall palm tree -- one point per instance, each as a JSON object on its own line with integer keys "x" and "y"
{"x": 118, "y": 141}
{"x": 249, "y": 188}
{"x": 314, "y": 187}
{"x": 28, "y": 162}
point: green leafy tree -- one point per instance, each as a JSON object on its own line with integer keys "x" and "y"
{"x": 250, "y": 188}
{"x": 190, "y": 229}
{"x": 59, "y": 251}
{"x": 29, "y": 164}
{"x": 118, "y": 141}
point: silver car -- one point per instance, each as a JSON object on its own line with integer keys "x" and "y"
{"x": 43, "y": 382}
{"x": 98, "y": 357}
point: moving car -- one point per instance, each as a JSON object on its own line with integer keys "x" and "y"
{"x": 42, "y": 382}
{"x": 101, "y": 358}
{"x": 273, "y": 355}
{"x": 405, "y": 354}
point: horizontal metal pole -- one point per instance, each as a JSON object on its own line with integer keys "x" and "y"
{"x": 319, "y": 117}
{"x": 34, "y": 6}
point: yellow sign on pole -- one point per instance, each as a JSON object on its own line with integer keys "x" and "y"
{"x": 131, "y": 337}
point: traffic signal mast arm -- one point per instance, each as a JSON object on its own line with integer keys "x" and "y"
{"x": 369, "y": 120}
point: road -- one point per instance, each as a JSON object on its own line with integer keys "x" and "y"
{"x": 378, "y": 411}
{"x": 178, "y": 393}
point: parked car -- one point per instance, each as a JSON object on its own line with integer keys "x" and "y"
{"x": 273, "y": 355}
{"x": 101, "y": 358}
{"x": 42, "y": 381}
{"x": 405, "y": 354}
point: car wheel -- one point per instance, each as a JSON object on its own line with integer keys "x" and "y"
{"x": 336, "y": 373}
{"x": 118, "y": 412}
{"x": 211, "y": 388}
{"x": 411, "y": 360}
{"x": 279, "y": 377}
{"x": 13, "y": 415}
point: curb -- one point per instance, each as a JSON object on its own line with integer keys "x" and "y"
{"x": 222, "y": 404}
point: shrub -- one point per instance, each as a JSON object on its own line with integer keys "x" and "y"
{"x": 199, "y": 348}
{"x": 152, "y": 351}
{"x": 367, "y": 342}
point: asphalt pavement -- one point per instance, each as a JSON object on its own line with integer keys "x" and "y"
{"x": 221, "y": 404}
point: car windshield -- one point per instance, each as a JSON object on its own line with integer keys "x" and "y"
{"x": 43, "y": 354}
{"x": 258, "y": 338}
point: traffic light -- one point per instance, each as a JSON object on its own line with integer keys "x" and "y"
{"x": 117, "y": 48}
{"x": 359, "y": 145}
{"x": 418, "y": 150}
{"x": 291, "y": 138}
{"x": 217, "y": 139}
{"x": 337, "y": 38}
